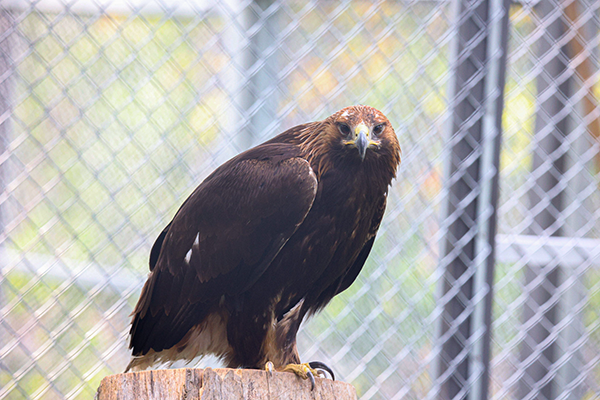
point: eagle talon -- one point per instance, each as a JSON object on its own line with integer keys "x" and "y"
{"x": 320, "y": 367}
{"x": 304, "y": 371}
{"x": 312, "y": 380}
{"x": 269, "y": 367}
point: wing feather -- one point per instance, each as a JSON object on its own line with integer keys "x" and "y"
{"x": 221, "y": 241}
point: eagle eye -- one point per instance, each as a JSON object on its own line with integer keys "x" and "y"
{"x": 344, "y": 129}
{"x": 378, "y": 129}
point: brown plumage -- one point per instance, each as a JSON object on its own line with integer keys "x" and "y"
{"x": 270, "y": 236}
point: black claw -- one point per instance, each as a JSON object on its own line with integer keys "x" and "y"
{"x": 319, "y": 365}
{"x": 312, "y": 380}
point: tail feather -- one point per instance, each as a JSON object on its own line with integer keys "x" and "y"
{"x": 208, "y": 337}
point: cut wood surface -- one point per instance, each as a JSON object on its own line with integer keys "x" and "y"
{"x": 219, "y": 384}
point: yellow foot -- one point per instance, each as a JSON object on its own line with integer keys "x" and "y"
{"x": 304, "y": 371}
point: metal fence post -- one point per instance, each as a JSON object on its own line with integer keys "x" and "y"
{"x": 252, "y": 84}
{"x": 584, "y": 129}
{"x": 469, "y": 224}
{"x": 537, "y": 352}
{"x": 7, "y": 27}
{"x": 556, "y": 152}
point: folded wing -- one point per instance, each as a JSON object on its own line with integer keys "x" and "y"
{"x": 221, "y": 240}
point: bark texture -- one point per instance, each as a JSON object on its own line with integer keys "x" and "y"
{"x": 219, "y": 384}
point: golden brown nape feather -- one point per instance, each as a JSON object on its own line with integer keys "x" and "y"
{"x": 333, "y": 136}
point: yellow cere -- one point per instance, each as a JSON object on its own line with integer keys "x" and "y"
{"x": 361, "y": 127}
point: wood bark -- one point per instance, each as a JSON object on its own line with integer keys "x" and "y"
{"x": 219, "y": 384}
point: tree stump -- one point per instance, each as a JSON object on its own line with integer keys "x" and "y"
{"x": 219, "y": 384}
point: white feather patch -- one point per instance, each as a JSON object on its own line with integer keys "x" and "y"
{"x": 209, "y": 337}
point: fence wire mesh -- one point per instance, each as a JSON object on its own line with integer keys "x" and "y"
{"x": 111, "y": 112}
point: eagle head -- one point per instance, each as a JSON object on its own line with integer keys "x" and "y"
{"x": 358, "y": 135}
{"x": 363, "y": 128}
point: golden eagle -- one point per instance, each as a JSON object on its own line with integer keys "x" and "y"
{"x": 268, "y": 238}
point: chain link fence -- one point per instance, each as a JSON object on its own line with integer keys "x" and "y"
{"x": 111, "y": 112}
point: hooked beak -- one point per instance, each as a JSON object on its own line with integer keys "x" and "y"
{"x": 361, "y": 139}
